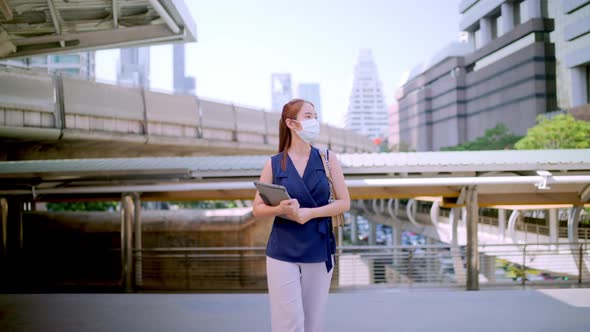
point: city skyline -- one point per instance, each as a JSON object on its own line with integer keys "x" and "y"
{"x": 239, "y": 47}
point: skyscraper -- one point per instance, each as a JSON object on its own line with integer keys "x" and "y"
{"x": 367, "y": 113}
{"x": 281, "y": 91}
{"x": 134, "y": 67}
{"x": 311, "y": 92}
{"x": 182, "y": 84}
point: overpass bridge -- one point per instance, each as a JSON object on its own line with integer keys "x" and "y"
{"x": 45, "y": 116}
{"x": 456, "y": 180}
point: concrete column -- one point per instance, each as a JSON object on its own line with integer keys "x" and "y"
{"x": 579, "y": 88}
{"x": 3, "y": 226}
{"x": 455, "y": 226}
{"x": 507, "y": 17}
{"x": 472, "y": 254}
{"x": 460, "y": 276}
{"x": 372, "y": 233}
{"x": 14, "y": 226}
{"x": 126, "y": 242}
{"x": 138, "y": 239}
{"x": 397, "y": 241}
{"x": 534, "y": 9}
{"x": 573, "y": 219}
{"x": 397, "y": 234}
{"x": 485, "y": 26}
{"x": 488, "y": 267}
{"x": 353, "y": 229}
{"x": 553, "y": 226}
{"x": 471, "y": 39}
{"x": 502, "y": 224}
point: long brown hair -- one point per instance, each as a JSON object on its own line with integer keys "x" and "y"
{"x": 290, "y": 111}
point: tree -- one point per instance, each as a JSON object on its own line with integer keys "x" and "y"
{"x": 497, "y": 138}
{"x": 560, "y": 132}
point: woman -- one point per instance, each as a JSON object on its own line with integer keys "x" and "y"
{"x": 301, "y": 245}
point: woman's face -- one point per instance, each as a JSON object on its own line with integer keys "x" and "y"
{"x": 305, "y": 113}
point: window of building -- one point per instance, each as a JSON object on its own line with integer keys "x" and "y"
{"x": 66, "y": 59}
{"x": 39, "y": 60}
{"x": 496, "y": 26}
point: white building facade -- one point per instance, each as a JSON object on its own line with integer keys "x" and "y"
{"x": 367, "y": 113}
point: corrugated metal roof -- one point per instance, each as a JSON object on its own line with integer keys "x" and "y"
{"x": 504, "y": 160}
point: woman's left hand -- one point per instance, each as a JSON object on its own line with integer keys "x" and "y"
{"x": 302, "y": 215}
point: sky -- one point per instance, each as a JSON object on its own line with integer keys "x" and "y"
{"x": 241, "y": 43}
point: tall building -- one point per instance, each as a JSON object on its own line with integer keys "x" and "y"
{"x": 182, "y": 84}
{"x": 80, "y": 64}
{"x": 367, "y": 113}
{"x": 311, "y": 92}
{"x": 134, "y": 67}
{"x": 572, "y": 51}
{"x": 281, "y": 91}
{"x": 504, "y": 73}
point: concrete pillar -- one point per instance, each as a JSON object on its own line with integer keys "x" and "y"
{"x": 458, "y": 265}
{"x": 353, "y": 229}
{"x": 488, "y": 267}
{"x": 579, "y": 86}
{"x": 485, "y": 26}
{"x": 507, "y": 17}
{"x": 471, "y": 39}
{"x": 573, "y": 218}
{"x": 126, "y": 242}
{"x": 454, "y": 216}
{"x": 14, "y": 226}
{"x": 534, "y": 9}
{"x": 472, "y": 253}
{"x": 502, "y": 224}
{"x": 553, "y": 226}
{"x": 3, "y": 226}
{"x": 397, "y": 241}
{"x": 372, "y": 233}
{"x": 138, "y": 239}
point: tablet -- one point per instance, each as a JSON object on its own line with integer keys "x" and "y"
{"x": 272, "y": 194}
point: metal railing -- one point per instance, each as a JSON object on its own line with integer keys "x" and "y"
{"x": 244, "y": 268}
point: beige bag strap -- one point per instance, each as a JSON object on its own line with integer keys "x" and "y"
{"x": 324, "y": 155}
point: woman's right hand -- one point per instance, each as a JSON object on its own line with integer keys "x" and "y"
{"x": 289, "y": 206}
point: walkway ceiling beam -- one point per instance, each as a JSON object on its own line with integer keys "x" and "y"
{"x": 6, "y": 10}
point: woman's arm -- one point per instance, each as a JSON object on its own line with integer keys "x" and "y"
{"x": 260, "y": 209}
{"x": 339, "y": 205}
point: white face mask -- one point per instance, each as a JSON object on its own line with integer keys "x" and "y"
{"x": 310, "y": 130}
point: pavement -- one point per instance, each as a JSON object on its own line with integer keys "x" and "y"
{"x": 364, "y": 310}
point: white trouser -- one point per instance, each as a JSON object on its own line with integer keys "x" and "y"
{"x": 298, "y": 295}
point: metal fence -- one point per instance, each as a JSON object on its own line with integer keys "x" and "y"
{"x": 244, "y": 268}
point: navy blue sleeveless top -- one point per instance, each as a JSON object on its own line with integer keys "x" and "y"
{"x": 313, "y": 241}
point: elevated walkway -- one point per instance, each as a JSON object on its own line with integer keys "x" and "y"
{"x": 46, "y": 116}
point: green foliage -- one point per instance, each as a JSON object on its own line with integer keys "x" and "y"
{"x": 401, "y": 147}
{"x": 82, "y": 206}
{"x": 497, "y": 138}
{"x": 561, "y": 132}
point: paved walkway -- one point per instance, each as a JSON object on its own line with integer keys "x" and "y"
{"x": 383, "y": 310}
